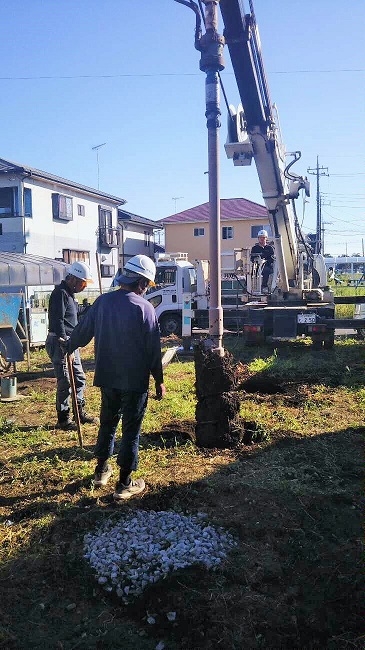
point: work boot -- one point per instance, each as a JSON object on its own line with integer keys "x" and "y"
{"x": 64, "y": 421}
{"x": 85, "y": 418}
{"x": 134, "y": 487}
{"x": 102, "y": 475}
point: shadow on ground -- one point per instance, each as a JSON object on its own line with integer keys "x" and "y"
{"x": 293, "y": 581}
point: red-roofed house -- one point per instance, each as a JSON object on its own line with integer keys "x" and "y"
{"x": 188, "y": 231}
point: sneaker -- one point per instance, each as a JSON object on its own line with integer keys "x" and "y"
{"x": 66, "y": 425}
{"x": 101, "y": 478}
{"x": 127, "y": 491}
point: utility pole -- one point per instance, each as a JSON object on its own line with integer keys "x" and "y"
{"x": 318, "y": 171}
{"x": 98, "y": 146}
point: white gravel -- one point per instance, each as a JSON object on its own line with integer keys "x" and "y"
{"x": 142, "y": 547}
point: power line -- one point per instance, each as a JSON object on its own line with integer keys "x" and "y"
{"x": 342, "y": 198}
{"x": 351, "y": 207}
{"x": 353, "y": 222}
{"x": 162, "y": 74}
{"x": 359, "y": 196}
{"x": 350, "y": 174}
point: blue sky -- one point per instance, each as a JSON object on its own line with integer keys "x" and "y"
{"x": 125, "y": 72}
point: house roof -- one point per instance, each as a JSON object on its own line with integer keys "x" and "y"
{"x": 123, "y": 215}
{"x": 8, "y": 167}
{"x": 17, "y": 270}
{"x": 231, "y": 209}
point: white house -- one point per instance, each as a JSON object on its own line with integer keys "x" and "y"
{"x": 43, "y": 214}
{"x": 137, "y": 236}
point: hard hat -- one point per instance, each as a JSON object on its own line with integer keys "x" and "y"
{"x": 262, "y": 233}
{"x": 81, "y": 271}
{"x": 139, "y": 265}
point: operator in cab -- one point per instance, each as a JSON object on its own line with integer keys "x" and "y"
{"x": 266, "y": 252}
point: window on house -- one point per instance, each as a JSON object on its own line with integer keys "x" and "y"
{"x": 62, "y": 207}
{"x": 27, "y": 195}
{"x": 256, "y": 229}
{"x": 107, "y": 270}
{"x": 8, "y": 201}
{"x": 227, "y": 232}
{"x": 108, "y": 236}
{"x": 199, "y": 232}
{"x": 105, "y": 218}
{"x": 146, "y": 238}
{"x": 1, "y": 228}
{"x": 80, "y": 210}
{"x": 69, "y": 256}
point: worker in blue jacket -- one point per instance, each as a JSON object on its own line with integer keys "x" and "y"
{"x": 62, "y": 315}
{"x": 127, "y": 351}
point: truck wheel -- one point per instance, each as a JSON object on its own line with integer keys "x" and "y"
{"x": 317, "y": 344}
{"x": 170, "y": 324}
{"x": 329, "y": 341}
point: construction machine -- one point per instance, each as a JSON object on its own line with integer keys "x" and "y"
{"x": 299, "y": 299}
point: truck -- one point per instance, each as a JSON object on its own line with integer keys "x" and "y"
{"x": 181, "y": 294}
{"x": 298, "y": 301}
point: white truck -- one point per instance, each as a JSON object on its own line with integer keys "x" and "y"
{"x": 299, "y": 300}
{"x": 181, "y": 295}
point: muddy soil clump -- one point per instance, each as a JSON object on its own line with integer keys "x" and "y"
{"x": 218, "y": 423}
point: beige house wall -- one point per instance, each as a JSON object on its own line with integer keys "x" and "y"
{"x": 179, "y": 237}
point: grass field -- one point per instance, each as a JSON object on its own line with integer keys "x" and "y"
{"x": 292, "y": 502}
{"x": 346, "y": 311}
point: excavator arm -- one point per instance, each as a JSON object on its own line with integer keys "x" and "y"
{"x": 254, "y": 132}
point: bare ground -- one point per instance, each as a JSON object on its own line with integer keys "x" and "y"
{"x": 293, "y": 502}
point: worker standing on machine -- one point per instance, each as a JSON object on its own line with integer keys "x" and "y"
{"x": 127, "y": 351}
{"x": 266, "y": 252}
{"x": 62, "y": 314}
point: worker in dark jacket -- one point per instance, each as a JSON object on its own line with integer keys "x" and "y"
{"x": 266, "y": 252}
{"x": 127, "y": 352}
{"x": 62, "y": 320}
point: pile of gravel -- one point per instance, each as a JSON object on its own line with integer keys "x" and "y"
{"x": 142, "y": 547}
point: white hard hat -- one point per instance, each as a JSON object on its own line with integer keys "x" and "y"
{"x": 262, "y": 233}
{"x": 81, "y": 271}
{"x": 139, "y": 265}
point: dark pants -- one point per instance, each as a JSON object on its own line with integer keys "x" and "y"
{"x": 131, "y": 407}
{"x": 267, "y": 269}
{"x": 63, "y": 391}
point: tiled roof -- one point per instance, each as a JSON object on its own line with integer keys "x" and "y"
{"x": 123, "y": 215}
{"x": 230, "y": 209}
{"x": 7, "y": 166}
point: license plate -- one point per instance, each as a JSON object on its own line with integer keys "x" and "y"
{"x": 306, "y": 318}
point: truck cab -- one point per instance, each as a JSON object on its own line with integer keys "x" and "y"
{"x": 175, "y": 276}
{"x": 183, "y": 286}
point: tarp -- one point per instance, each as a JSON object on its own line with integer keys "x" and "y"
{"x": 17, "y": 270}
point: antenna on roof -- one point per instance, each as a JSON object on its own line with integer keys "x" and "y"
{"x": 176, "y": 198}
{"x": 96, "y": 148}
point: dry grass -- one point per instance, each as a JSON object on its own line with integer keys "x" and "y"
{"x": 293, "y": 502}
